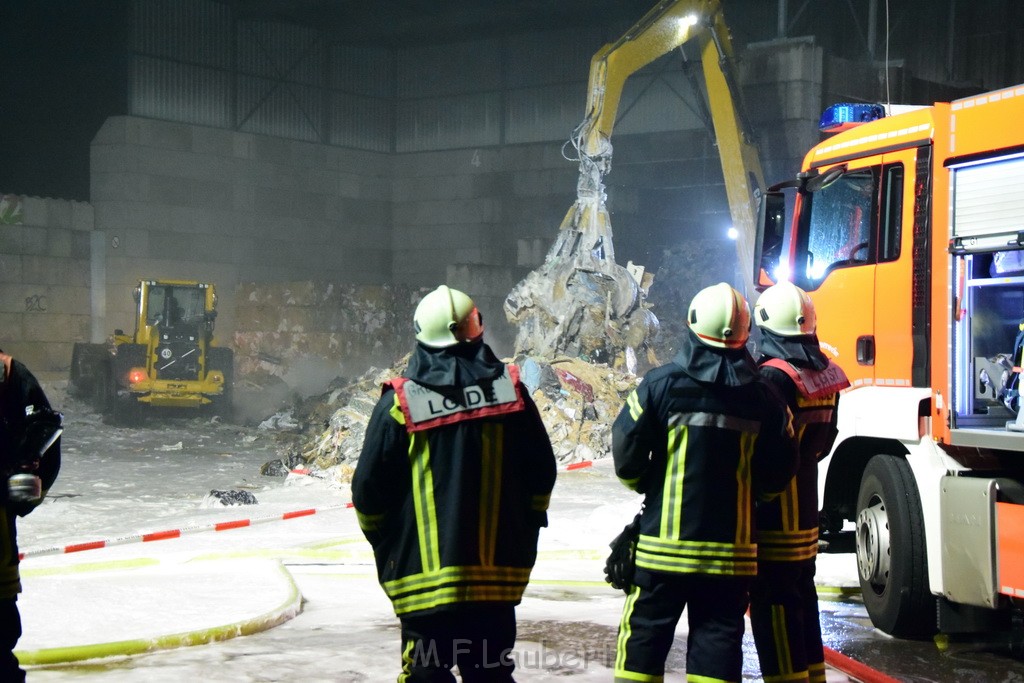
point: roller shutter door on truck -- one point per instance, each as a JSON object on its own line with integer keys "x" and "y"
{"x": 988, "y": 200}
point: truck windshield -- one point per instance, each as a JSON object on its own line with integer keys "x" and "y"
{"x": 839, "y": 226}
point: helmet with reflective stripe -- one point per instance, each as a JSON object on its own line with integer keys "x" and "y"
{"x": 786, "y": 310}
{"x": 720, "y": 317}
{"x": 446, "y": 317}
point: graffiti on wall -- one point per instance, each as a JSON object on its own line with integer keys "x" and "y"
{"x": 10, "y": 209}
{"x": 35, "y": 303}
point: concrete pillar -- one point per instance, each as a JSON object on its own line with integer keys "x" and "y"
{"x": 98, "y": 286}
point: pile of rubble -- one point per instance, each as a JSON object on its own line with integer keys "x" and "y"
{"x": 578, "y": 402}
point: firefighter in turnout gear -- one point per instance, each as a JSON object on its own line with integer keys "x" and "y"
{"x": 701, "y": 437}
{"x": 29, "y": 461}
{"x": 784, "y": 602}
{"x": 451, "y": 489}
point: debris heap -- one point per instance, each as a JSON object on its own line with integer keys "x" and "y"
{"x": 578, "y": 402}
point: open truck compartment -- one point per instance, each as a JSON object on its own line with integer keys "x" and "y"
{"x": 987, "y": 248}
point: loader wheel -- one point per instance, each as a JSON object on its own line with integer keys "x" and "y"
{"x": 123, "y": 412}
{"x": 75, "y": 387}
{"x": 891, "y": 555}
{"x": 102, "y": 390}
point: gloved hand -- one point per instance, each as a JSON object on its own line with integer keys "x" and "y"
{"x": 621, "y": 563}
{"x": 24, "y": 488}
{"x": 22, "y": 493}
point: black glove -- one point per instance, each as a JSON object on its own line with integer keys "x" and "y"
{"x": 621, "y": 563}
{"x": 41, "y": 428}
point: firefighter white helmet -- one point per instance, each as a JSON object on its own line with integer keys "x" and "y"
{"x": 720, "y": 317}
{"x": 786, "y": 310}
{"x": 446, "y": 317}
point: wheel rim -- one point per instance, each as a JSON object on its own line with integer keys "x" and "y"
{"x": 873, "y": 544}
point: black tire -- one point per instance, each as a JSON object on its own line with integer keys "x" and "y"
{"x": 87, "y": 362}
{"x": 75, "y": 384}
{"x": 122, "y": 412}
{"x": 892, "y": 559}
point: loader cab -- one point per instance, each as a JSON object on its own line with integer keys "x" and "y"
{"x": 175, "y": 309}
{"x": 171, "y": 306}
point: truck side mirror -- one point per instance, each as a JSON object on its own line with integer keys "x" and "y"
{"x": 771, "y": 231}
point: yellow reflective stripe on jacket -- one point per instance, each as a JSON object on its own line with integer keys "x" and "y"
{"x": 787, "y": 546}
{"x": 635, "y": 409}
{"x": 457, "y": 584}
{"x": 796, "y": 554}
{"x": 451, "y": 575}
{"x": 813, "y": 410}
{"x": 369, "y": 522}
{"x": 744, "y": 490}
{"x": 396, "y": 411}
{"x": 685, "y": 557}
{"x": 423, "y": 501}
{"x": 789, "y": 506}
{"x": 672, "y": 495}
{"x": 630, "y": 484}
{"x": 457, "y": 595}
{"x": 539, "y": 502}
{"x": 491, "y": 457}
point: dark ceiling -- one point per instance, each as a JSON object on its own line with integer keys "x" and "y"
{"x": 410, "y": 22}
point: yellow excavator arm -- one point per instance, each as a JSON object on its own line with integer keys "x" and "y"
{"x": 580, "y": 301}
{"x": 667, "y": 26}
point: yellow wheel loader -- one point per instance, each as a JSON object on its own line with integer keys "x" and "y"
{"x": 171, "y": 360}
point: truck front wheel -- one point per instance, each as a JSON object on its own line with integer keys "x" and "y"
{"x": 891, "y": 556}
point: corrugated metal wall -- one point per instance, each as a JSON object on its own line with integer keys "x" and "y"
{"x": 193, "y": 61}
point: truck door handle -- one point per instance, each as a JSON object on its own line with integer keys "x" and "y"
{"x": 866, "y": 350}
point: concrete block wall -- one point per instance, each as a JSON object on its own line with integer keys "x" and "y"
{"x": 784, "y": 90}
{"x": 44, "y": 280}
{"x": 181, "y": 201}
{"x": 479, "y": 220}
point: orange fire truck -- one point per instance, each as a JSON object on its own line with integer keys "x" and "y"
{"x": 907, "y": 230}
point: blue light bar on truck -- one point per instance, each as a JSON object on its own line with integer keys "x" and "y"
{"x": 840, "y": 117}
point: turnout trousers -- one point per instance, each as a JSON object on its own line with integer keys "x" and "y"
{"x": 10, "y": 632}
{"x": 479, "y": 640}
{"x": 714, "y": 646}
{"x": 784, "y": 620}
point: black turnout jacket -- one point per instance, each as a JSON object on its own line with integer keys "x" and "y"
{"x": 19, "y": 389}
{"x": 810, "y": 383}
{"x": 453, "y": 482}
{"x": 702, "y": 438}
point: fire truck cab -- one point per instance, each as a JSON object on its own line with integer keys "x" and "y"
{"x": 907, "y": 230}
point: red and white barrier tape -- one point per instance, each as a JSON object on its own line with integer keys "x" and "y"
{"x": 174, "y": 533}
{"x": 568, "y": 468}
{"x": 218, "y": 526}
